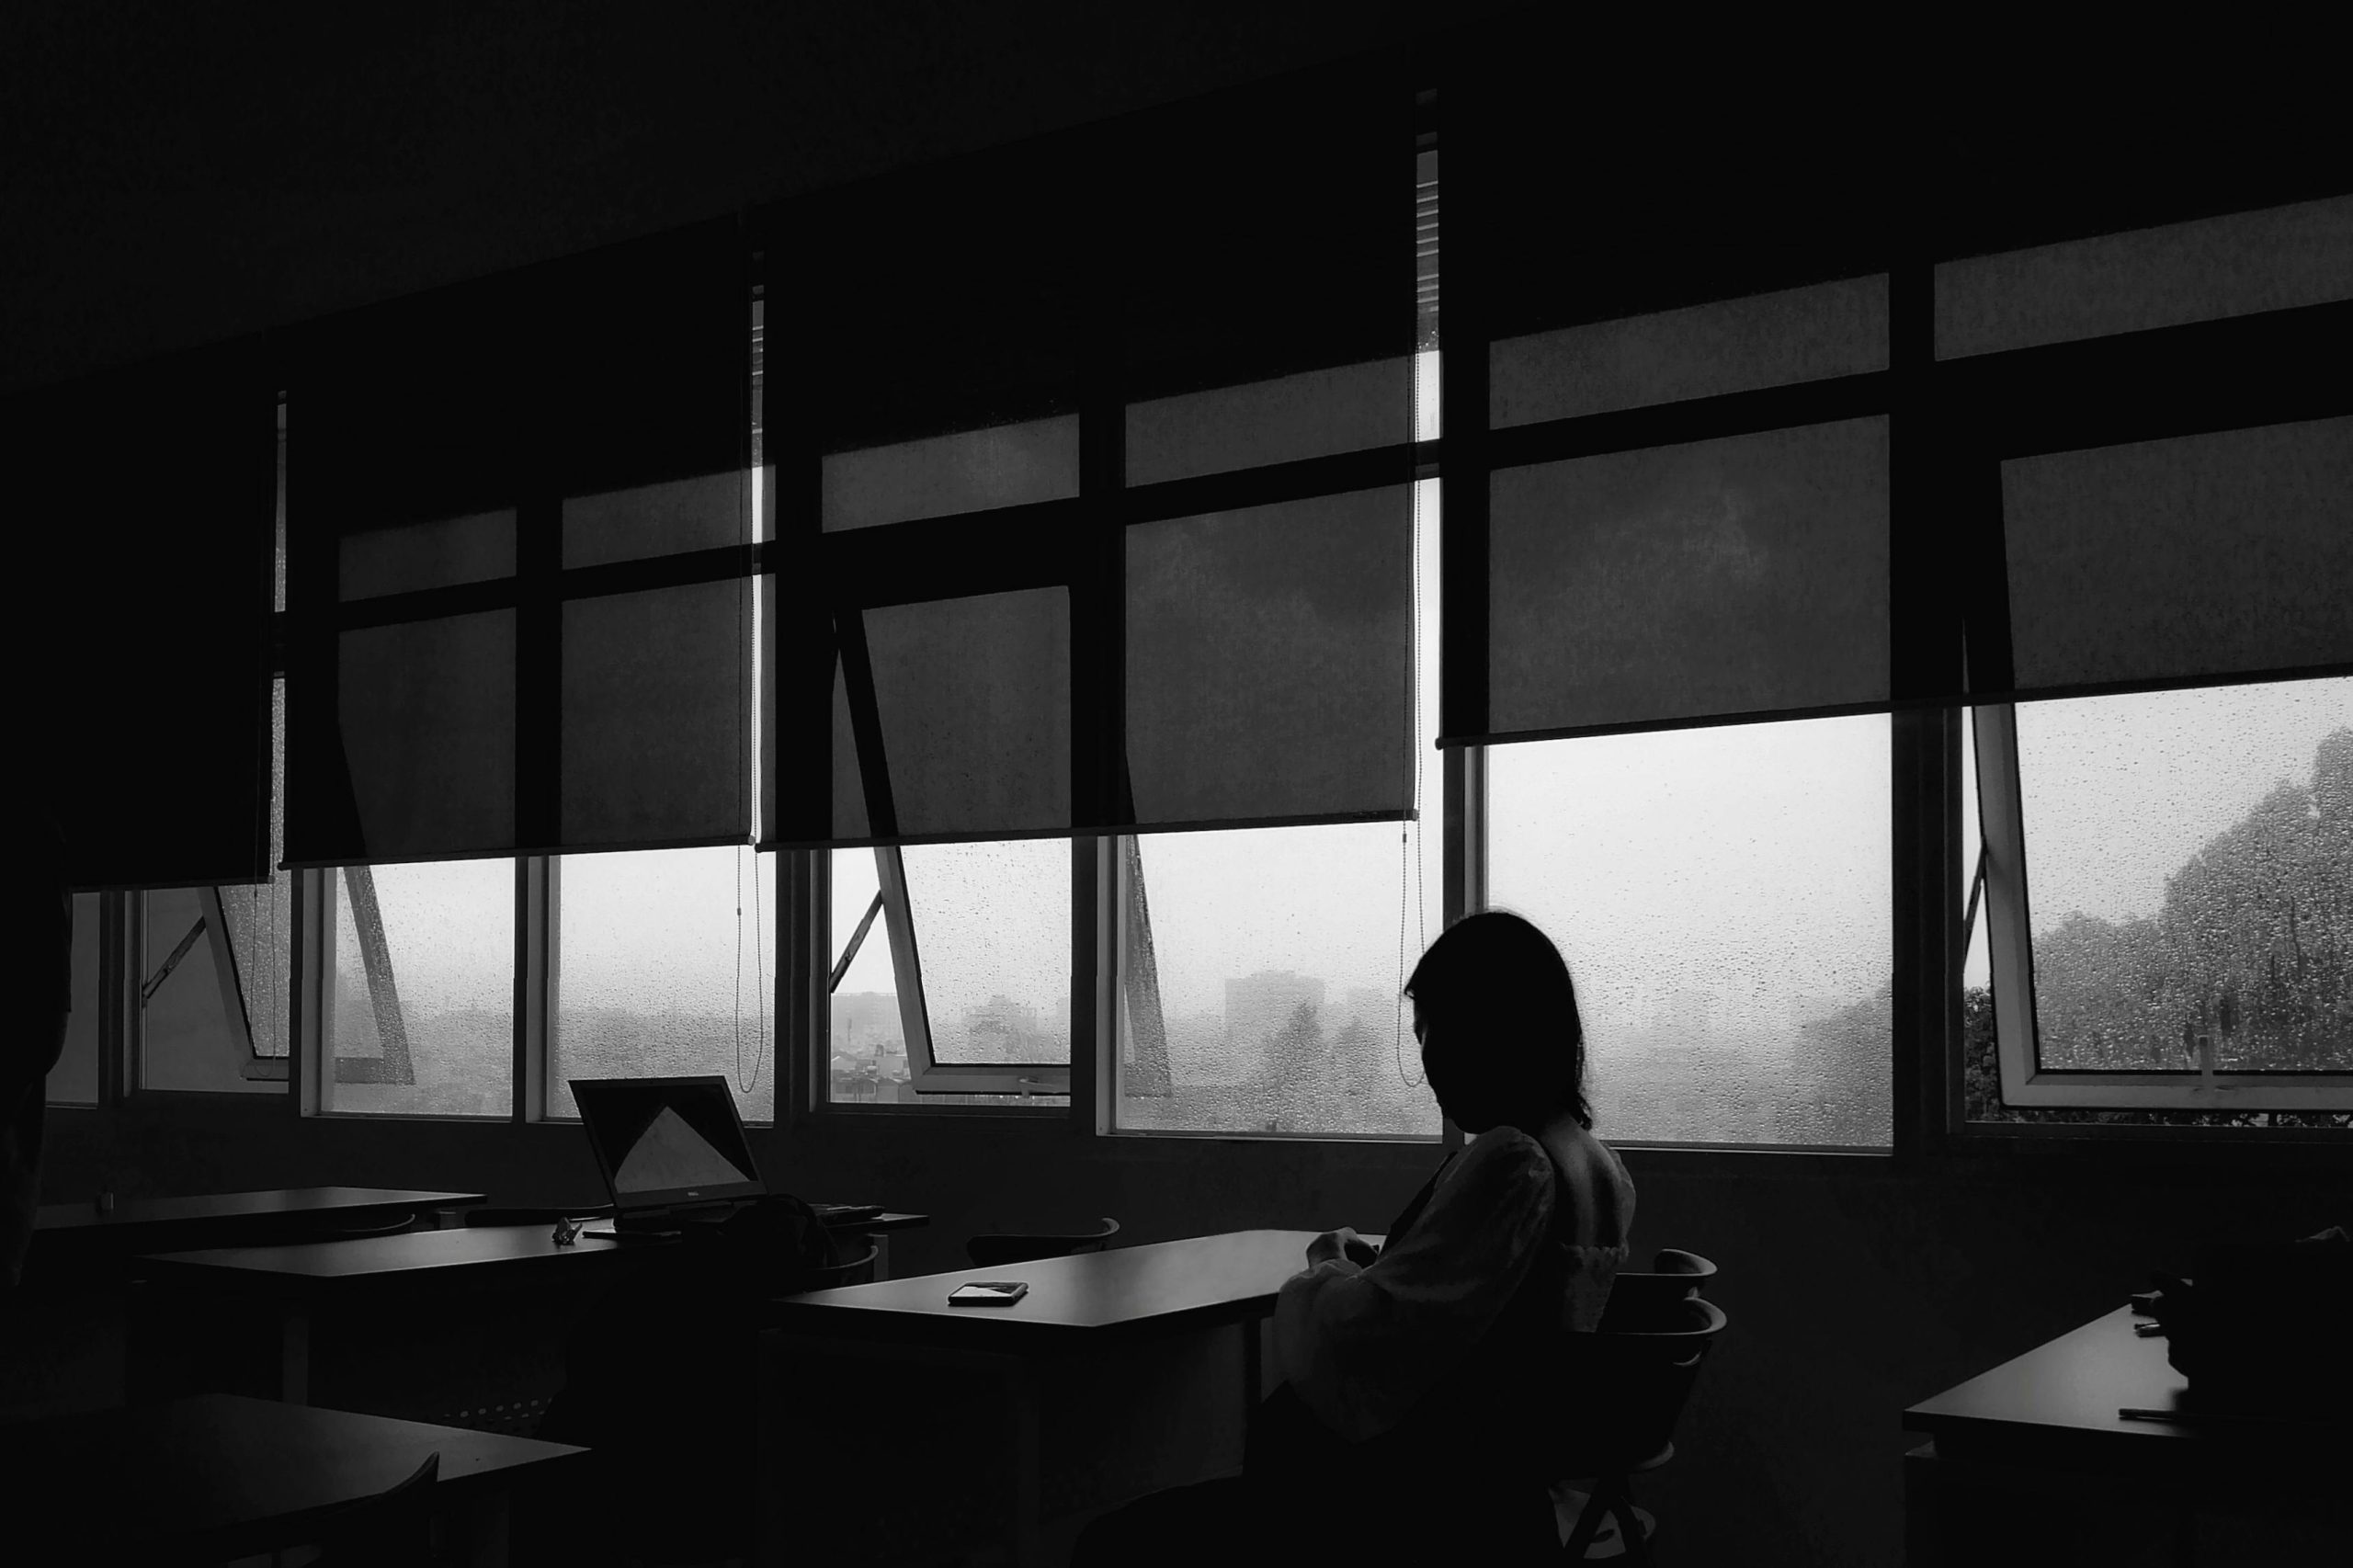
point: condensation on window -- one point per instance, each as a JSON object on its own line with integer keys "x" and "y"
{"x": 663, "y": 969}
{"x": 420, "y": 1004}
{"x": 992, "y": 935}
{"x": 2190, "y": 878}
{"x": 1722, "y": 898}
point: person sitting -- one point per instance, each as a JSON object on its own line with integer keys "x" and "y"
{"x": 1409, "y": 1368}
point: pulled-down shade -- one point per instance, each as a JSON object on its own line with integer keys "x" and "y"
{"x": 2182, "y": 561}
{"x": 1734, "y": 578}
{"x": 518, "y": 531}
{"x": 1258, "y": 672}
{"x": 146, "y": 500}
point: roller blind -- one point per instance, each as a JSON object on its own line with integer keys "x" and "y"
{"x": 144, "y": 680}
{"x": 519, "y": 526}
{"x": 1048, "y": 560}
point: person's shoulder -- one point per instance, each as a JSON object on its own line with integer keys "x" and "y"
{"x": 1504, "y": 1155}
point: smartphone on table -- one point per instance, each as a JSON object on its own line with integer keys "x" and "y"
{"x": 987, "y": 1294}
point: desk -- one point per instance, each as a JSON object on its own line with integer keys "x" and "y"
{"x": 75, "y": 1231}
{"x": 1083, "y": 1321}
{"x": 413, "y": 1278}
{"x": 225, "y": 1475}
{"x": 2042, "y": 1429}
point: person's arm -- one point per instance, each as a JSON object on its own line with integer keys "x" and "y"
{"x": 1361, "y": 1345}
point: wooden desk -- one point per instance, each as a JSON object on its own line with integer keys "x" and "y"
{"x": 220, "y": 1476}
{"x": 2039, "y": 1437}
{"x": 1139, "y": 1328}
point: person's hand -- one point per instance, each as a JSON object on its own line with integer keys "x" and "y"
{"x": 1342, "y": 1243}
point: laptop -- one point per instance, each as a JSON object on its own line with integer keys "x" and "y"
{"x": 672, "y": 1151}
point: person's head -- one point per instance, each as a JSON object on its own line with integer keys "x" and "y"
{"x": 1497, "y": 1018}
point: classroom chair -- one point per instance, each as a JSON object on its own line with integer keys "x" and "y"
{"x": 1001, "y": 1248}
{"x": 1635, "y": 1296}
{"x": 1626, "y": 1387}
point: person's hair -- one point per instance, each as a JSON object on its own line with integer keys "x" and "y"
{"x": 1504, "y": 1042}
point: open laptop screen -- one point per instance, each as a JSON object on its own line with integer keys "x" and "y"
{"x": 668, "y": 1141}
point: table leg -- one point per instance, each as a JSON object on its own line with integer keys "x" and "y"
{"x": 294, "y": 1355}
{"x": 1254, "y": 1369}
{"x": 1021, "y": 1387}
{"x": 478, "y": 1530}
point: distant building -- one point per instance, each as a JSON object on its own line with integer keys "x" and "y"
{"x": 866, "y": 1023}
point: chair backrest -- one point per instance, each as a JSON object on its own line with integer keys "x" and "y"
{"x": 998, "y": 1249}
{"x": 1621, "y": 1392}
{"x": 859, "y": 1270}
{"x": 391, "y": 1529}
{"x": 1636, "y": 1299}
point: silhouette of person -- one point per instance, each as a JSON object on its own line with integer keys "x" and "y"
{"x": 1408, "y": 1367}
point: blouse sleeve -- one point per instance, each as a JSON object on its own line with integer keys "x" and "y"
{"x": 1361, "y": 1346}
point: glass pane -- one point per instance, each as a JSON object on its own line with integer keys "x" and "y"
{"x": 420, "y": 1004}
{"x": 1225, "y": 937}
{"x": 1974, "y": 973}
{"x": 260, "y": 917}
{"x": 992, "y": 932}
{"x": 868, "y": 1042}
{"x": 2169, "y": 276}
{"x": 74, "y": 1079}
{"x": 1725, "y": 346}
{"x": 663, "y": 969}
{"x": 1722, "y": 897}
{"x": 2189, "y": 876}
{"x": 942, "y": 476}
{"x": 192, "y": 1024}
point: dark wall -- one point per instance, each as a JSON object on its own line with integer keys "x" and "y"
{"x": 172, "y": 176}
{"x": 1853, "y": 1287}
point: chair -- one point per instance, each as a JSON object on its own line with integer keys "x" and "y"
{"x": 391, "y": 1529}
{"x": 1635, "y": 1297}
{"x": 859, "y": 1270}
{"x": 999, "y": 1249}
{"x": 1626, "y": 1387}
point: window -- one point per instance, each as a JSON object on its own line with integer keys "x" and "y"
{"x": 1722, "y": 898}
{"x": 950, "y": 974}
{"x": 214, "y": 966}
{"x": 2167, "y": 882}
{"x": 1261, "y": 971}
{"x": 418, "y": 1011}
{"x": 663, "y": 968}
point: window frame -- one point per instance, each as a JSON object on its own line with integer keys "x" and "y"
{"x": 2005, "y": 907}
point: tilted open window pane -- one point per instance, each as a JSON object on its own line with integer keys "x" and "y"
{"x": 2188, "y": 882}
{"x": 958, "y": 991}
{"x": 419, "y": 1008}
{"x": 866, "y": 1042}
{"x": 663, "y": 969}
{"x": 992, "y": 932}
{"x": 1722, "y": 897}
